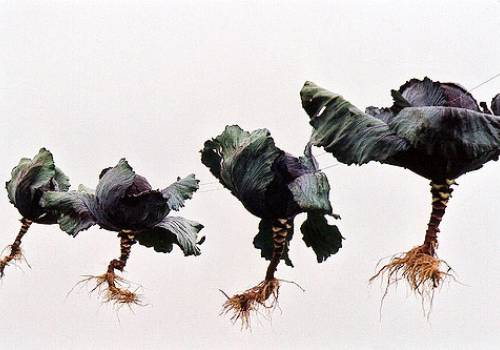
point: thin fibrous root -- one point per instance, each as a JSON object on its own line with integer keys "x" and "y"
{"x": 16, "y": 253}
{"x": 240, "y": 306}
{"x": 113, "y": 289}
{"x": 265, "y": 294}
{"x": 421, "y": 267}
{"x": 423, "y": 271}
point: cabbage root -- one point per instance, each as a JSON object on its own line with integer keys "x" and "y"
{"x": 420, "y": 266}
{"x": 15, "y": 248}
{"x": 265, "y": 294}
{"x": 116, "y": 290}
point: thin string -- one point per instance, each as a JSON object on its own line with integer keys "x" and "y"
{"x": 329, "y": 166}
{"x": 477, "y": 86}
{"x": 208, "y": 183}
{"x": 485, "y": 82}
{"x": 213, "y": 189}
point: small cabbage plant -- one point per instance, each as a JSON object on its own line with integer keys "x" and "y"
{"x": 31, "y": 178}
{"x": 125, "y": 202}
{"x": 436, "y": 130}
{"x": 274, "y": 186}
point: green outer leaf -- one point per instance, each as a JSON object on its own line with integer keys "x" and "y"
{"x": 177, "y": 193}
{"x": 40, "y": 172}
{"x": 218, "y": 153}
{"x": 323, "y": 238}
{"x": 343, "y": 130}
{"x": 311, "y": 192}
{"x": 160, "y": 240}
{"x": 74, "y": 208}
{"x": 62, "y": 180}
{"x": 308, "y": 159}
{"x": 30, "y": 178}
{"x": 16, "y": 176}
{"x": 242, "y": 162}
{"x": 264, "y": 242}
{"x": 29, "y": 175}
{"x": 211, "y": 157}
{"x": 173, "y": 230}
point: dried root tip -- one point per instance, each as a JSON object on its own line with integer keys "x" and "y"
{"x": 15, "y": 255}
{"x": 423, "y": 271}
{"x": 114, "y": 289}
{"x": 241, "y": 306}
{"x": 15, "y": 248}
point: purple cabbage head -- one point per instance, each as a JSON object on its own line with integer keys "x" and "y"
{"x": 124, "y": 200}
{"x": 435, "y": 129}
{"x": 274, "y": 184}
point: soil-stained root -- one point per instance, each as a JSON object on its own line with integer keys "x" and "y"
{"x": 265, "y": 294}
{"x": 241, "y": 306}
{"x": 422, "y": 271}
{"x": 15, "y": 248}
{"x": 112, "y": 287}
{"x": 420, "y": 266}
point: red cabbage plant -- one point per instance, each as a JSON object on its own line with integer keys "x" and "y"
{"x": 274, "y": 186}
{"x": 125, "y": 202}
{"x": 437, "y": 130}
{"x": 30, "y": 179}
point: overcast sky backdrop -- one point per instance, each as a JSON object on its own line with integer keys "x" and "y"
{"x": 95, "y": 81}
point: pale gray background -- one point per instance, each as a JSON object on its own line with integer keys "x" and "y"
{"x": 98, "y": 80}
